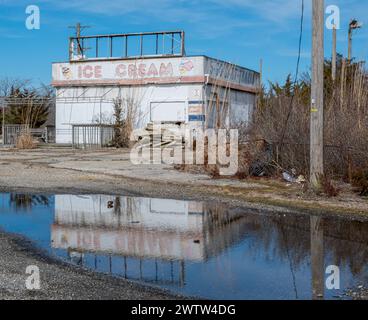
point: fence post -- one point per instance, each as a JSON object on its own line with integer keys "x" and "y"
{"x": 101, "y": 136}
{"x": 3, "y": 118}
{"x": 350, "y": 167}
{"x": 73, "y": 137}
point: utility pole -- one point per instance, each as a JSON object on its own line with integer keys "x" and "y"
{"x": 353, "y": 25}
{"x": 350, "y": 40}
{"x": 78, "y": 33}
{"x": 334, "y": 54}
{"x": 260, "y": 72}
{"x": 317, "y": 110}
{"x": 2, "y": 101}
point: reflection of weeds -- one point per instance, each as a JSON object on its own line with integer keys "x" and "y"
{"x": 130, "y": 207}
{"x": 117, "y": 206}
{"x": 27, "y": 201}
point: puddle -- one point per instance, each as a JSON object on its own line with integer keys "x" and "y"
{"x": 194, "y": 248}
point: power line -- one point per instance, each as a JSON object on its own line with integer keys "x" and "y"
{"x": 296, "y": 74}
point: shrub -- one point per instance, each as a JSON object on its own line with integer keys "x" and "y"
{"x": 125, "y": 114}
{"x": 360, "y": 181}
{"x": 327, "y": 187}
{"x": 282, "y": 118}
{"x": 25, "y": 141}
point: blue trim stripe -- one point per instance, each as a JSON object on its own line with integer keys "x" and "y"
{"x": 196, "y": 102}
{"x": 200, "y": 117}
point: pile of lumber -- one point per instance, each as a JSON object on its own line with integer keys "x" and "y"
{"x": 171, "y": 135}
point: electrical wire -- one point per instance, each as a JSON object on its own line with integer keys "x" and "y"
{"x": 296, "y": 75}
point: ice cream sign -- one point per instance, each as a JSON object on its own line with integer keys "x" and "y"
{"x": 143, "y": 69}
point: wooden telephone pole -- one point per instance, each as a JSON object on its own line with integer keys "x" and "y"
{"x": 334, "y": 54}
{"x": 350, "y": 42}
{"x": 317, "y": 110}
{"x": 78, "y": 33}
{"x": 353, "y": 25}
{"x": 260, "y": 72}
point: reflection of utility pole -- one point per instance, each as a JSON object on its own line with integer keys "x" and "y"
{"x": 316, "y": 118}
{"x": 317, "y": 257}
{"x": 353, "y": 25}
{"x": 334, "y": 54}
{"x": 182, "y": 273}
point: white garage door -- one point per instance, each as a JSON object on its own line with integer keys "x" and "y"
{"x": 168, "y": 111}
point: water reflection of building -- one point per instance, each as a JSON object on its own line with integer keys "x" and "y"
{"x": 142, "y": 227}
{"x": 155, "y": 235}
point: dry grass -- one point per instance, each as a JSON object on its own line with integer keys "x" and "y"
{"x": 25, "y": 141}
{"x": 360, "y": 181}
{"x": 346, "y": 122}
{"x": 126, "y": 115}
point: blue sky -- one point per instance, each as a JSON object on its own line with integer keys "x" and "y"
{"x": 240, "y": 31}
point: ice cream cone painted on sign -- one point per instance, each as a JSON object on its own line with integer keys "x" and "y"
{"x": 186, "y": 66}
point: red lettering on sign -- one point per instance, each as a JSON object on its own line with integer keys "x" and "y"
{"x": 120, "y": 71}
{"x": 142, "y": 70}
{"x": 98, "y": 72}
{"x": 152, "y": 71}
{"x": 166, "y": 71}
{"x": 88, "y": 72}
{"x": 132, "y": 71}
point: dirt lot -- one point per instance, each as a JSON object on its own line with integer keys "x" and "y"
{"x": 61, "y": 281}
{"x": 58, "y": 170}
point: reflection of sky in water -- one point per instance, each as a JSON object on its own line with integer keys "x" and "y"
{"x": 190, "y": 247}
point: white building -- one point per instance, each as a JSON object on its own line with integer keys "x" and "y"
{"x": 166, "y": 87}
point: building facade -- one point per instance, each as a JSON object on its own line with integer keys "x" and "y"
{"x": 195, "y": 91}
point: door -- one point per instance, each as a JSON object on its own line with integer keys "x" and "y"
{"x": 169, "y": 111}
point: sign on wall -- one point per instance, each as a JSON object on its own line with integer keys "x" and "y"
{"x": 129, "y": 69}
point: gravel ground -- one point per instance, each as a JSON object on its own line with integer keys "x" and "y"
{"x": 359, "y": 293}
{"x": 61, "y": 281}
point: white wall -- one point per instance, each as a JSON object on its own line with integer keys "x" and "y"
{"x": 240, "y": 105}
{"x": 80, "y": 105}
